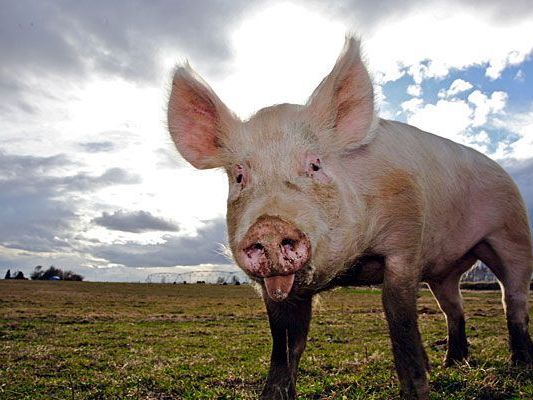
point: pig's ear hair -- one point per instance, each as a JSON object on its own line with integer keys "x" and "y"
{"x": 198, "y": 120}
{"x": 342, "y": 106}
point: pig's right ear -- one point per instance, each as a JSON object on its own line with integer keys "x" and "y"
{"x": 198, "y": 121}
{"x": 342, "y": 106}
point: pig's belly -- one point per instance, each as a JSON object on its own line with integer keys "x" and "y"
{"x": 367, "y": 270}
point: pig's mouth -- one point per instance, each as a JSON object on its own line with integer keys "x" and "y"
{"x": 279, "y": 287}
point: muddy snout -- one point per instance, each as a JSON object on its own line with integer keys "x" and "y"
{"x": 274, "y": 249}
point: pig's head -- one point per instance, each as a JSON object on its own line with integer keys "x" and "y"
{"x": 292, "y": 215}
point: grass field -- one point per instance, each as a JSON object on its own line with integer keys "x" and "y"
{"x": 81, "y": 340}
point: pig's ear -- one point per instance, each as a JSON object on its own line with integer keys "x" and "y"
{"x": 342, "y": 106}
{"x": 198, "y": 121}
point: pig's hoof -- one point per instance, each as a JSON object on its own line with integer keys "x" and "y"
{"x": 522, "y": 360}
{"x": 415, "y": 390}
{"x": 454, "y": 359}
{"x": 280, "y": 391}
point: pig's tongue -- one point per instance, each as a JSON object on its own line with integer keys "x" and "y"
{"x": 278, "y": 287}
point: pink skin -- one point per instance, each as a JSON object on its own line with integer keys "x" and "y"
{"x": 274, "y": 250}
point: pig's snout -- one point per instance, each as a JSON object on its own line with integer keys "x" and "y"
{"x": 274, "y": 247}
{"x": 274, "y": 250}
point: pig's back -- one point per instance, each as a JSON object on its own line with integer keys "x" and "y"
{"x": 465, "y": 194}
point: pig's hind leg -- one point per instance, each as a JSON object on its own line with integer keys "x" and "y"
{"x": 446, "y": 290}
{"x": 507, "y": 252}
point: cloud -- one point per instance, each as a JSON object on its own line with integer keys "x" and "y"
{"x": 520, "y": 124}
{"x": 87, "y": 78}
{"x": 457, "y": 86}
{"x": 43, "y": 214}
{"x": 204, "y": 248}
{"x": 134, "y": 221}
{"x": 412, "y": 105}
{"x": 445, "y": 118}
{"x": 486, "y": 105}
{"x": 520, "y": 76}
{"x": 12, "y": 166}
{"x": 38, "y": 208}
{"x": 168, "y": 157}
{"x": 122, "y": 38}
{"x": 522, "y": 173}
{"x": 456, "y": 119}
{"x": 98, "y": 147}
{"x": 414, "y": 90}
{"x": 112, "y": 176}
{"x": 429, "y": 42}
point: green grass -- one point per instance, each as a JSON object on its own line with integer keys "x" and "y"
{"x": 81, "y": 340}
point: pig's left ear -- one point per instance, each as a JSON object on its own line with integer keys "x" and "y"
{"x": 198, "y": 120}
{"x": 342, "y": 106}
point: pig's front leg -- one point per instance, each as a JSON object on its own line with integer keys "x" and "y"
{"x": 399, "y": 300}
{"x": 289, "y": 324}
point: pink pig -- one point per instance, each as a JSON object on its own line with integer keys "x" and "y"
{"x": 327, "y": 194}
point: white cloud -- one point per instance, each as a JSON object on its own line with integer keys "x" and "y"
{"x": 520, "y": 76}
{"x": 522, "y": 125}
{"x": 435, "y": 38}
{"x": 485, "y": 105}
{"x": 414, "y": 90}
{"x": 457, "y": 86}
{"x": 457, "y": 119}
{"x": 446, "y": 118}
{"x": 412, "y": 105}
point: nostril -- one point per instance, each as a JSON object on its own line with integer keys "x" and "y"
{"x": 255, "y": 249}
{"x": 256, "y": 246}
{"x": 288, "y": 243}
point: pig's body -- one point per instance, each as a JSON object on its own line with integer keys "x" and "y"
{"x": 327, "y": 194}
{"x": 453, "y": 196}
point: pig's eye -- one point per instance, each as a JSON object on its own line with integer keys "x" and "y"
{"x": 313, "y": 169}
{"x": 239, "y": 174}
{"x": 313, "y": 165}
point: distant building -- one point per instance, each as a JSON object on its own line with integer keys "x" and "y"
{"x": 211, "y": 276}
{"x": 479, "y": 273}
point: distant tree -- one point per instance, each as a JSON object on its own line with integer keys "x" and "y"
{"x": 20, "y": 275}
{"x": 46, "y": 274}
{"x": 235, "y": 280}
{"x": 71, "y": 276}
{"x": 52, "y": 271}
{"x": 221, "y": 280}
{"x": 8, "y": 274}
{"x": 37, "y": 273}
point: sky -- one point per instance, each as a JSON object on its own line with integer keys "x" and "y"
{"x": 89, "y": 179}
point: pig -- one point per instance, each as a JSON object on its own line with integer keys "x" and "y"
{"x": 328, "y": 194}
